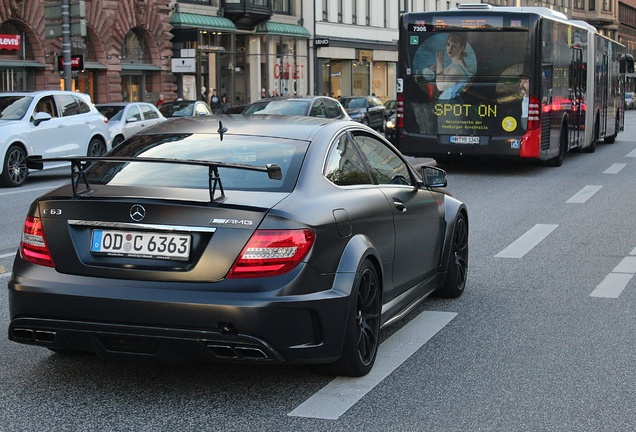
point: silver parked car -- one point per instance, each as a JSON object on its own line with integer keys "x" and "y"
{"x": 55, "y": 123}
{"x": 127, "y": 118}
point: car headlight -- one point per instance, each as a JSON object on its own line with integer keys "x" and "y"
{"x": 390, "y": 124}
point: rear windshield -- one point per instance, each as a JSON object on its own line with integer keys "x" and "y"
{"x": 256, "y": 151}
{"x": 285, "y": 107}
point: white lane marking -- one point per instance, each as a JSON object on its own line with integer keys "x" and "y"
{"x": 527, "y": 242}
{"x": 7, "y": 255}
{"x": 25, "y": 190}
{"x": 342, "y": 393}
{"x": 631, "y": 154}
{"x": 627, "y": 265}
{"x": 584, "y": 194}
{"x": 612, "y": 286}
{"x": 633, "y": 252}
{"x": 615, "y": 168}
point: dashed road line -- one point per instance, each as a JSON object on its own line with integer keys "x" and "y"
{"x": 527, "y": 242}
{"x": 615, "y": 168}
{"x": 342, "y": 393}
{"x": 631, "y": 154}
{"x": 615, "y": 283}
{"x": 584, "y": 194}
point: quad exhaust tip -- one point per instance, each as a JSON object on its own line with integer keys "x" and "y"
{"x": 34, "y": 335}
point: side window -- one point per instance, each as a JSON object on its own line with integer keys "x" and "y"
{"x": 345, "y": 166}
{"x": 385, "y": 165}
{"x": 332, "y": 108}
{"x": 133, "y": 112}
{"x": 68, "y": 105}
{"x": 82, "y": 106}
{"x": 47, "y": 105}
{"x": 149, "y": 112}
{"x": 317, "y": 109}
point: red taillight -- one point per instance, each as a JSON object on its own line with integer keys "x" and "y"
{"x": 272, "y": 253}
{"x": 33, "y": 247}
{"x": 399, "y": 111}
{"x": 534, "y": 113}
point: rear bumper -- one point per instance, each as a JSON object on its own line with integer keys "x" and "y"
{"x": 165, "y": 321}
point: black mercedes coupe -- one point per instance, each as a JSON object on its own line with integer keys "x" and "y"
{"x": 267, "y": 239}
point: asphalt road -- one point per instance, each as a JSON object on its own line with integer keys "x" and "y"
{"x": 542, "y": 339}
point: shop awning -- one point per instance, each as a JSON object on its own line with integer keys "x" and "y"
{"x": 94, "y": 65}
{"x": 21, "y": 64}
{"x": 211, "y": 22}
{"x": 282, "y": 29}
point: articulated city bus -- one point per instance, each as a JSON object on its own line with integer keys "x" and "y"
{"x": 518, "y": 82}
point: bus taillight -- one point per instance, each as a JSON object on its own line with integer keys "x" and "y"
{"x": 399, "y": 111}
{"x": 534, "y": 113}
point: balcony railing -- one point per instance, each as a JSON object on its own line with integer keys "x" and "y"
{"x": 247, "y": 14}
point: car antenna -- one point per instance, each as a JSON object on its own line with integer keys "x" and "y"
{"x": 221, "y": 130}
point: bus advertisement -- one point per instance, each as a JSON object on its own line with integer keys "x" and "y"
{"x": 505, "y": 82}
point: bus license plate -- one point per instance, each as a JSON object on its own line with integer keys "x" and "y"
{"x": 141, "y": 244}
{"x": 464, "y": 139}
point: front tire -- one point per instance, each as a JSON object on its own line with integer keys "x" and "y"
{"x": 14, "y": 170}
{"x": 457, "y": 272}
{"x": 363, "y": 326}
{"x": 96, "y": 147}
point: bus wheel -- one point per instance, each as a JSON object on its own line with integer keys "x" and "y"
{"x": 612, "y": 139}
{"x": 592, "y": 147}
{"x": 558, "y": 160}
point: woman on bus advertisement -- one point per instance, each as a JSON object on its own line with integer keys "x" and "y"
{"x": 447, "y": 63}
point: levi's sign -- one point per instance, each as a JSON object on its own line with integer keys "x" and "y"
{"x": 10, "y": 42}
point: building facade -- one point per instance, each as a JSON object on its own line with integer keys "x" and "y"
{"x": 244, "y": 49}
{"x": 125, "y": 52}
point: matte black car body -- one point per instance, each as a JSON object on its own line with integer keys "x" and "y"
{"x": 396, "y": 242}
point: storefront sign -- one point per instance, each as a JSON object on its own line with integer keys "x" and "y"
{"x": 183, "y": 65}
{"x": 77, "y": 63}
{"x": 10, "y": 42}
{"x": 322, "y": 42}
{"x": 365, "y": 55}
{"x": 211, "y": 48}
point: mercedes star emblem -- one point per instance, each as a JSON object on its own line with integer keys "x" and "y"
{"x": 137, "y": 212}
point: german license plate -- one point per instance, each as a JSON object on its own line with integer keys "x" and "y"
{"x": 141, "y": 244}
{"x": 464, "y": 139}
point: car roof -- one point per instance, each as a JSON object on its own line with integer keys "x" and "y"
{"x": 36, "y": 93}
{"x": 264, "y": 125}
{"x": 122, "y": 103}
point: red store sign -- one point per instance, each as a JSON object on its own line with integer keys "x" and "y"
{"x": 10, "y": 42}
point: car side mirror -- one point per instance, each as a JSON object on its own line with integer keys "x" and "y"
{"x": 40, "y": 117}
{"x": 434, "y": 177}
{"x": 131, "y": 119}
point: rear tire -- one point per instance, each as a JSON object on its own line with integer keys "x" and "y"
{"x": 362, "y": 336}
{"x": 457, "y": 272}
{"x": 563, "y": 144}
{"x": 14, "y": 169}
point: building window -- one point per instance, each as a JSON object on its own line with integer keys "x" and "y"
{"x": 339, "y": 11}
{"x": 325, "y": 10}
{"x": 579, "y": 4}
{"x": 592, "y": 5}
{"x": 368, "y": 13}
{"x": 607, "y": 5}
{"x": 281, "y": 6}
{"x": 354, "y": 11}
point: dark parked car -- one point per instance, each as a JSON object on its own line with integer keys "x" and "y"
{"x": 313, "y": 106}
{"x": 261, "y": 238}
{"x": 391, "y": 107}
{"x": 185, "y": 108}
{"x": 368, "y": 110}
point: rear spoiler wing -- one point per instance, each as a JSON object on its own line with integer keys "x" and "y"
{"x": 79, "y": 165}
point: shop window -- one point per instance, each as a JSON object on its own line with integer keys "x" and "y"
{"x": 133, "y": 48}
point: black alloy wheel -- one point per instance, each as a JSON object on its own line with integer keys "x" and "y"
{"x": 363, "y": 328}
{"x": 14, "y": 171}
{"x": 458, "y": 265}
